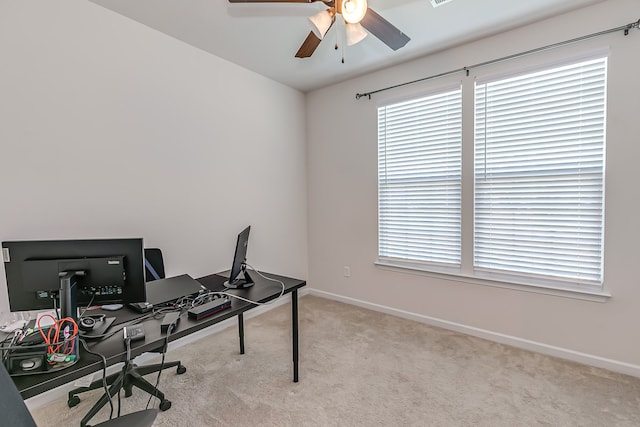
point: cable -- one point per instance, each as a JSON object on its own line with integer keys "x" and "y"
{"x": 127, "y": 341}
{"x": 88, "y": 305}
{"x": 14, "y": 337}
{"x": 205, "y": 297}
{"x": 164, "y": 353}
{"x": 55, "y": 307}
{"x": 60, "y": 351}
{"x": 271, "y": 279}
{"x": 122, "y": 325}
{"x": 104, "y": 374}
{"x": 189, "y": 301}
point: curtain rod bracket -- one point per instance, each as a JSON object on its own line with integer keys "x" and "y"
{"x": 630, "y": 26}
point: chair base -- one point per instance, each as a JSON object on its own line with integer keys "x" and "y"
{"x": 130, "y": 376}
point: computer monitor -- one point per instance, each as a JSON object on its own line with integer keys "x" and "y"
{"x": 53, "y": 273}
{"x": 239, "y": 278}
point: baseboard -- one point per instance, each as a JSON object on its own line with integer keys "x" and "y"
{"x": 563, "y": 353}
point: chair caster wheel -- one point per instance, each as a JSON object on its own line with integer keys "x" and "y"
{"x": 73, "y": 401}
{"x": 165, "y": 404}
{"x": 181, "y": 369}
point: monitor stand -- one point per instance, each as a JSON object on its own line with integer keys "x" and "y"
{"x": 242, "y": 281}
{"x": 68, "y": 300}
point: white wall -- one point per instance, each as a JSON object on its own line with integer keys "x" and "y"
{"x": 343, "y": 200}
{"x": 111, "y": 129}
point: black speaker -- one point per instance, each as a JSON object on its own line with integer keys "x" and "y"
{"x": 27, "y": 362}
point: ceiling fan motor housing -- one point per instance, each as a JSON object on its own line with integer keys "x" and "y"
{"x": 352, "y": 10}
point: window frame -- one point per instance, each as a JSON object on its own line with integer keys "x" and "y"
{"x": 466, "y": 273}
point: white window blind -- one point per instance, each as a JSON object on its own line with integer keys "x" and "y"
{"x": 419, "y": 179}
{"x": 539, "y": 174}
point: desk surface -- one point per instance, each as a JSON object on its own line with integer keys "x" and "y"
{"x": 114, "y": 350}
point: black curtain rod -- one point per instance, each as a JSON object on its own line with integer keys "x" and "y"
{"x": 626, "y": 29}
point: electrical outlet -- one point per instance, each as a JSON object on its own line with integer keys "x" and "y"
{"x": 347, "y": 271}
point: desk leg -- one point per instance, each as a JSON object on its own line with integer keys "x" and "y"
{"x": 241, "y": 331}
{"x": 294, "y": 317}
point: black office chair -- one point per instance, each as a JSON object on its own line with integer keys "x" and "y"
{"x": 131, "y": 374}
{"x": 153, "y": 264}
{"x": 15, "y": 413}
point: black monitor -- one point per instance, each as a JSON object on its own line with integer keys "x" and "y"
{"x": 47, "y": 274}
{"x": 239, "y": 278}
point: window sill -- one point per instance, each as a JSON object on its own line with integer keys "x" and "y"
{"x": 451, "y": 274}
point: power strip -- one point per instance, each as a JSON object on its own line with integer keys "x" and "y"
{"x": 209, "y": 308}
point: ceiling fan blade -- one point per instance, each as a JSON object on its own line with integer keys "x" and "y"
{"x": 384, "y": 30}
{"x": 308, "y": 46}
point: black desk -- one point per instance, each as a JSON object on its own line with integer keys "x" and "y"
{"x": 114, "y": 350}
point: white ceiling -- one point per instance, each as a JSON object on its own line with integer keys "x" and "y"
{"x": 264, "y": 37}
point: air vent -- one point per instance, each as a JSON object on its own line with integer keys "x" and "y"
{"x": 436, "y": 3}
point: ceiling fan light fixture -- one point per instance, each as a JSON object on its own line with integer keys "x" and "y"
{"x": 355, "y": 33}
{"x": 354, "y": 10}
{"x": 321, "y": 22}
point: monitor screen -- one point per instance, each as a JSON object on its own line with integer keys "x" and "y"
{"x": 236, "y": 280}
{"x": 103, "y": 271}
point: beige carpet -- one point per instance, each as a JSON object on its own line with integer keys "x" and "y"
{"x": 363, "y": 368}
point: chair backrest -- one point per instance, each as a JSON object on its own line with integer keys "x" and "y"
{"x": 13, "y": 410}
{"x": 154, "y": 264}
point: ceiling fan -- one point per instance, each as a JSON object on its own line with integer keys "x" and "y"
{"x": 356, "y": 15}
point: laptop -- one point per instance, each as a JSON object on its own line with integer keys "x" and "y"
{"x": 170, "y": 289}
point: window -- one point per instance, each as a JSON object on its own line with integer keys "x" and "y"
{"x": 539, "y": 174}
{"x": 537, "y": 167}
{"x": 419, "y": 180}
